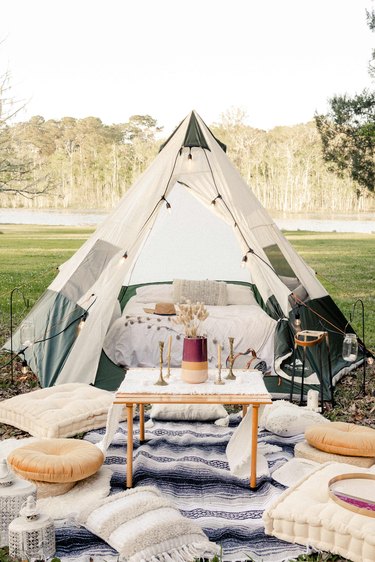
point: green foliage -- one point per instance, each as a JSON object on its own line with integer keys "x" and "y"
{"x": 348, "y": 137}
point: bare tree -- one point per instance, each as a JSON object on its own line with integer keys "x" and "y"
{"x": 19, "y": 174}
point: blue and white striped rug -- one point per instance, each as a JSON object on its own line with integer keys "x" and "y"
{"x": 187, "y": 462}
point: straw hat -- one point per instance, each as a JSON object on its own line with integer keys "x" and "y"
{"x": 162, "y": 308}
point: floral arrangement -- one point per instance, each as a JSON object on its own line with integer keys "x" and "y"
{"x": 191, "y": 315}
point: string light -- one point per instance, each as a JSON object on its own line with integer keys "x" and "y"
{"x": 190, "y": 156}
{"x": 297, "y": 321}
{"x": 123, "y": 258}
{"x": 244, "y": 259}
{"x": 24, "y": 367}
{"x": 82, "y": 322}
{"x": 213, "y": 202}
{"x": 167, "y": 204}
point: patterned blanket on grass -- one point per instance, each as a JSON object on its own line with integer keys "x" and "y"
{"x": 187, "y": 462}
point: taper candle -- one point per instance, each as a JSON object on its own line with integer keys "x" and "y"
{"x": 169, "y": 349}
{"x": 219, "y": 355}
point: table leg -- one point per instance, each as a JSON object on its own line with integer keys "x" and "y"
{"x": 244, "y": 410}
{"x": 141, "y": 422}
{"x": 254, "y": 446}
{"x": 129, "y": 450}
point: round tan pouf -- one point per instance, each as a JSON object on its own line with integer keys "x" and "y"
{"x": 56, "y": 460}
{"x": 342, "y": 438}
{"x": 305, "y": 451}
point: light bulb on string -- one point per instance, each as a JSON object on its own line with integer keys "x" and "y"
{"x": 24, "y": 367}
{"x": 190, "y": 156}
{"x": 213, "y": 202}
{"x": 124, "y": 257}
{"x": 82, "y": 322}
{"x": 297, "y": 321}
{"x": 167, "y": 204}
{"x": 244, "y": 261}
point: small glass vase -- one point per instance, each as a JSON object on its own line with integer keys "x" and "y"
{"x": 350, "y": 348}
{"x": 194, "y": 367}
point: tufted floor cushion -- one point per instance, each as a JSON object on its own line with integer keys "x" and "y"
{"x": 305, "y": 451}
{"x": 56, "y": 460}
{"x": 305, "y": 514}
{"x": 58, "y": 411}
{"x": 342, "y": 438}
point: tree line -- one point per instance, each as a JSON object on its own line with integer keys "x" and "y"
{"x": 86, "y": 164}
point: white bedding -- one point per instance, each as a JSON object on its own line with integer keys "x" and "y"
{"x": 133, "y": 339}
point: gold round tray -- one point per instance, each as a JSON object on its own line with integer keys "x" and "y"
{"x": 359, "y": 498}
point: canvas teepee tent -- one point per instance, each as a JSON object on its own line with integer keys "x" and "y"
{"x": 193, "y": 174}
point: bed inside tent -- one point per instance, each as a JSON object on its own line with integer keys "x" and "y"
{"x": 188, "y": 242}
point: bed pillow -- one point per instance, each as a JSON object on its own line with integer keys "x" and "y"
{"x": 141, "y": 524}
{"x": 154, "y": 293}
{"x": 58, "y": 411}
{"x": 191, "y": 412}
{"x": 240, "y": 294}
{"x": 209, "y": 292}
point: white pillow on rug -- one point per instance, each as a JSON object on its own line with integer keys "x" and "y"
{"x": 58, "y": 411}
{"x": 142, "y": 525}
{"x": 188, "y": 412}
{"x": 209, "y": 292}
{"x": 287, "y": 420}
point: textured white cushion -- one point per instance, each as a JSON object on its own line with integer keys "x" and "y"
{"x": 287, "y": 420}
{"x": 305, "y": 514}
{"x": 141, "y": 524}
{"x": 240, "y": 294}
{"x": 196, "y": 412}
{"x": 209, "y": 292}
{"x": 58, "y": 411}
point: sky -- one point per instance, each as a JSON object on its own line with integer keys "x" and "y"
{"x": 279, "y": 61}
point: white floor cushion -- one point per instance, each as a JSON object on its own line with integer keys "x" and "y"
{"x": 305, "y": 514}
{"x": 58, "y": 411}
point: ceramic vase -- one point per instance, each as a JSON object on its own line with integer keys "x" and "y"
{"x": 194, "y": 367}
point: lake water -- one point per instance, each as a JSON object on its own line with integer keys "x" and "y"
{"x": 364, "y": 223}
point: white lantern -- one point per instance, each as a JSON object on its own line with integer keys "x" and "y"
{"x": 13, "y": 494}
{"x": 32, "y": 535}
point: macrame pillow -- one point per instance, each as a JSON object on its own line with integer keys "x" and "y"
{"x": 141, "y": 525}
{"x": 209, "y": 292}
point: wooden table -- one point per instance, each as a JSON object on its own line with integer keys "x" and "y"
{"x": 131, "y": 393}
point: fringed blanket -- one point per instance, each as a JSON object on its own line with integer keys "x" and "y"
{"x": 188, "y": 464}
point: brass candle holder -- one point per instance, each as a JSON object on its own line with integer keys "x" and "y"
{"x": 230, "y": 376}
{"x": 218, "y": 379}
{"x": 161, "y": 381}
